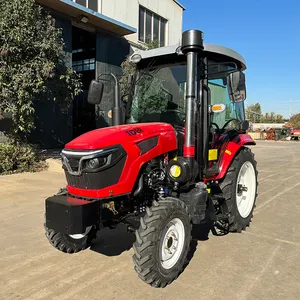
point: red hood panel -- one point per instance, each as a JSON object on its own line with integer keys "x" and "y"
{"x": 110, "y": 136}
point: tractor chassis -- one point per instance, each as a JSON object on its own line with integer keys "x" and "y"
{"x": 70, "y": 215}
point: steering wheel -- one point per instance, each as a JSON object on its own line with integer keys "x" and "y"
{"x": 217, "y": 126}
{"x": 179, "y": 113}
{"x": 225, "y": 125}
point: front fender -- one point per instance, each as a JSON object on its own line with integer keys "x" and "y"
{"x": 231, "y": 151}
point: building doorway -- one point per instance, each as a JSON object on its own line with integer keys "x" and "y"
{"x": 83, "y": 62}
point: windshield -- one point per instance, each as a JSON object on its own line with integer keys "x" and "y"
{"x": 160, "y": 96}
{"x": 219, "y": 95}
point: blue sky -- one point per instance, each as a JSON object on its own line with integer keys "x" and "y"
{"x": 267, "y": 34}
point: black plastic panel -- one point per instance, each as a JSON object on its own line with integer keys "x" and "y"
{"x": 71, "y": 218}
{"x": 148, "y": 144}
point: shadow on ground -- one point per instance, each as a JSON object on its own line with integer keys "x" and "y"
{"x": 113, "y": 242}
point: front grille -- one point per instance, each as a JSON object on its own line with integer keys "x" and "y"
{"x": 99, "y": 180}
{"x": 74, "y": 163}
{"x": 78, "y": 175}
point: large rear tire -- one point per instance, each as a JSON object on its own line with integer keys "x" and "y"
{"x": 162, "y": 242}
{"x": 70, "y": 243}
{"x": 239, "y": 188}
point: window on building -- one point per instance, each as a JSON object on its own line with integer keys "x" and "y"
{"x": 81, "y": 2}
{"x": 84, "y": 65}
{"x": 152, "y": 27}
{"x": 92, "y": 4}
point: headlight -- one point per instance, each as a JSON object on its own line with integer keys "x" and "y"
{"x": 96, "y": 162}
{"x": 93, "y": 163}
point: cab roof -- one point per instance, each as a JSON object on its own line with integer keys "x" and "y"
{"x": 211, "y": 51}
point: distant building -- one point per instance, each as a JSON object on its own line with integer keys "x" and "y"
{"x": 264, "y": 126}
{"x": 98, "y": 36}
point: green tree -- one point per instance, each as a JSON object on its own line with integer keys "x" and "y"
{"x": 253, "y": 113}
{"x": 272, "y": 118}
{"x": 32, "y": 66}
{"x": 153, "y": 45}
{"x": 295, "y": 121}
{"x": 129, "y": 69}
{"x": 279, "y": 118}
{"x": 265, "y": 118}
{"x": 151, "y": 97}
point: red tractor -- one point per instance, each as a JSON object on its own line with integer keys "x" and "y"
{"x": 176, "y": 155}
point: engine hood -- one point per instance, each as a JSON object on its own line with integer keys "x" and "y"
{"x": 105, "y": 137}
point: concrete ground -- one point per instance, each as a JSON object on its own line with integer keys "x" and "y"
{"x": 261, "y": 263}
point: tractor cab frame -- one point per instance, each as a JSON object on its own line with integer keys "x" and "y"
{"x": 201, "y": 110}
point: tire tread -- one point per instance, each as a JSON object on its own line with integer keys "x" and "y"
{"x": 236, "y": 224}
{"x": 63, "y": 244}
{"x": 146, "y": 238}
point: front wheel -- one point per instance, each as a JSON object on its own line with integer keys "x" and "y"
{"x": 239, "y": 189}
{"x": 71, "y": 243}
{"x": 162, "y": 242}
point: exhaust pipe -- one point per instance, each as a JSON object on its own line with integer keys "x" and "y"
{"x": 192, "y": 45}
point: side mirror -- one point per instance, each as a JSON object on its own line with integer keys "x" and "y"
{"x": 236, "y": 86}
{"x": 95, "y": 92}
{"x": 244, "y": 125}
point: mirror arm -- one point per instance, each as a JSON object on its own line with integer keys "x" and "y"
{"x": 117, "y": 91}
{"x": 117, "y": 112}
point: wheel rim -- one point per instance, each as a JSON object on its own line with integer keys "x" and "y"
{"x": 172, "y": 243}
{"x": 79, "y": 236}
{"x": 246, "y": 189}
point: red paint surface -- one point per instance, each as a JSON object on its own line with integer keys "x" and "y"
{"x": 293, "y": 131}
{"x": 229, "y": 151}
{"x": 189, "y": 151}
{"x": 107, "y": 137}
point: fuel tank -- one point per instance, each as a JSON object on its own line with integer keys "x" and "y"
{"x": 118, "y": 152}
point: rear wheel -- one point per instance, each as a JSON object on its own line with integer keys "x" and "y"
{"x": 162, "y": 242}
{"x": 239, "y": 188}
{"x": 71, "y": 243}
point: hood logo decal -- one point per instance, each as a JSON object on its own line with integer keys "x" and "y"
{"x": 134, "y": 131}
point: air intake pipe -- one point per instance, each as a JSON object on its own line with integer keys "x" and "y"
{"x": 192, "y": 45}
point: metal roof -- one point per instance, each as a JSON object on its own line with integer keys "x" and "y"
{"x": 76, "y": 11}
{"x": 178, "y": 3}
{"x": 210, "y": 50}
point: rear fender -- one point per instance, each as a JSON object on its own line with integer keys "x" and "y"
{"x": 230, "y": 152}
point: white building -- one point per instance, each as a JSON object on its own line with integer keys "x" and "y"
{"x": 139, "y": 21}
{"x": 98, "y": 35}
{"x": 159, "y": 20}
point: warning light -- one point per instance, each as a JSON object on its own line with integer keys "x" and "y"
{"x": 217, "y": 108}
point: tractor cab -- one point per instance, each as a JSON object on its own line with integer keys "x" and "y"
{"x": 158, "y": 91}
{"x": 159, "y": 88}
